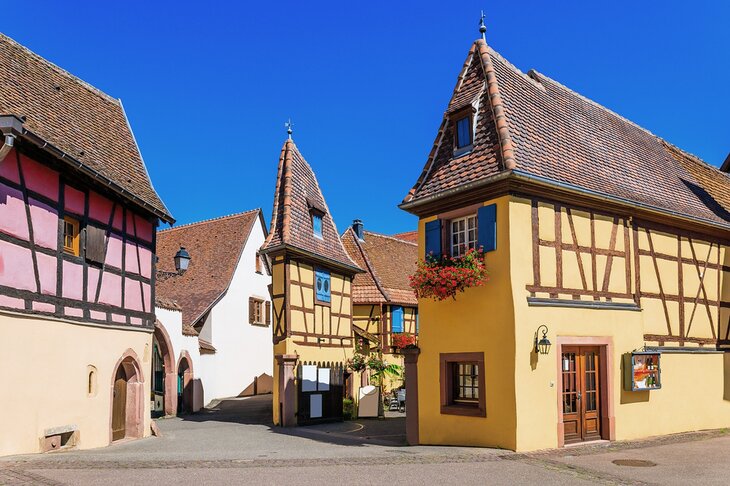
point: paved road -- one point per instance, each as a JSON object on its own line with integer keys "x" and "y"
{"x": 235, "y": 443}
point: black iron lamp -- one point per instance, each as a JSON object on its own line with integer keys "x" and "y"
{"x": 182, "y": 260}
{"x": 543, "y": 345}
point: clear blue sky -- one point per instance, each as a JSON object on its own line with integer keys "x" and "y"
{"x": 208, "y": 85}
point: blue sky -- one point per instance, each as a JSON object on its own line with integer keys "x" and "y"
{"x": 208, "y": 86}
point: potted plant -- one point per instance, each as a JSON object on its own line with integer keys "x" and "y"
{"x": 442, "y": 278}
{"x": 402, "y": 340}
{"x": 358, "y": 362}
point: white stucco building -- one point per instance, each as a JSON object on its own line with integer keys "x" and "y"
{"x": 214, "y": 318}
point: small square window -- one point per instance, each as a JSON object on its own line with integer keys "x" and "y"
{"x": 259, "y": 312}
{"x": 462, "y": 379}
{"x": 317, "y": 225}
{"x": 258, "y": 263}
{"x": 464, "y": 235}
{"x": 71, "y": 236}
{"x": 463, "y": 132}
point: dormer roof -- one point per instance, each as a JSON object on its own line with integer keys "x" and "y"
{"x": 296, "y": 196}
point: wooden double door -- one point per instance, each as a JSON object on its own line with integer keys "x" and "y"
{"x": 581, "y": 393}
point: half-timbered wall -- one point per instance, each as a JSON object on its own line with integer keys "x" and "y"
{"x": 680, "y": 280}
{"x": 368, "y": 318}
{"x": 37, "y": 276}
{"x": 314, "y": 323}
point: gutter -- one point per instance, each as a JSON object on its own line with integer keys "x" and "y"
{"x": 12, "y": 127}
{"x": 522, "y": 176}
{"x": 313, "y": 256}
{"x": 543, "y": 181}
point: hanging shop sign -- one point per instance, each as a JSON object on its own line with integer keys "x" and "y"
{"x": 642, "y": 371}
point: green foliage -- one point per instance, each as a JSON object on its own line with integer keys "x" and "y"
{"x": 348, "y": 409}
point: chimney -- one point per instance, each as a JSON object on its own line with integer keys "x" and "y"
{"x": 725, "y": 167}
{"x": 357, "y": 228}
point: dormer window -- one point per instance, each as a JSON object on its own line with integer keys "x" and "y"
{"x": 463, "y": 132}
{"x": 317, "y": 224}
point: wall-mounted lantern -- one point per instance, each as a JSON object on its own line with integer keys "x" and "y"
{"x": 543, "y": 345}
{"x": 182, "y": 260}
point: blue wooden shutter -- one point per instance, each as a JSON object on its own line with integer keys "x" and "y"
{"x": 433, "y": 238}
{"x": 487, "y": 222}
{"x": 322, "y": 285}
{"x": 397, "y": 317}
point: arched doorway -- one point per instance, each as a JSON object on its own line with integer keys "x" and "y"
{"x": 184, "y": 384}
{"x": 127, "y": 398}
{"x": 164, "y": 382}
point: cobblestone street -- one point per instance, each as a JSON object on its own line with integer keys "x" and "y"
{"x": 233, "y": 444}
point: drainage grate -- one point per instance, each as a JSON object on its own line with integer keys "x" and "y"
{"x": 634, "y": 463}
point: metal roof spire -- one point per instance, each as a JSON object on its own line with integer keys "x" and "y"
{"x": 289, "y": 125}
{"x": 482, "y": 27}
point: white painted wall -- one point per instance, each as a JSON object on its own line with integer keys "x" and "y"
{"x": 243, "y": 351}
{"x": 172, "y": 322}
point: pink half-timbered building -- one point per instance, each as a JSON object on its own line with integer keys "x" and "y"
{"x": 78, "y": 215}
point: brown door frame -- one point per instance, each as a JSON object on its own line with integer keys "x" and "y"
{"x": 606, "y": 382}
{"x": 581, "y": 415}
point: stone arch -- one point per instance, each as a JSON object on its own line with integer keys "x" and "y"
{"x": 129, "y": 371}
{"x": 185, "y": 376}
{"x": 168, "y": 360}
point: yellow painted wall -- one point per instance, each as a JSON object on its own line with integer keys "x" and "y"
{"x": 693, "y": 385}
{"x": 479, "y": 320}
{"x": 45, "y": 379}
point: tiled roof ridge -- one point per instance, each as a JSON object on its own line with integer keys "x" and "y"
{"x": 391, "y": 237}
{"x": 284, "y": 160}
{"x": 61, "y": 71}
{"x": 368, "y": 263}
{"x": 495, "y": 102}
{"x": 210, "y": 220}
{"x": 696, "y": 158}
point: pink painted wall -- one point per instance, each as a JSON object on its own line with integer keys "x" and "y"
{"x": 16, "y": 262}
{"x": 114, "y": 252}
{"x": 9, "y": 169}
{"x": 130, "y": 259}
{"x": 12, "y": 302}
{"x": 73, "y": 200}
{"x": 47, "y": 273}
{"x": 111, "y": 289}
{"x": 73, "y": 312}
{"x": 73, "y": 281}
{"x": 45, "y": 224}
{"x": 16, "y": 266}
{"x": 40, "y": 178}
{"x": 12, "y": 212}
{"x": 132, "y": 295}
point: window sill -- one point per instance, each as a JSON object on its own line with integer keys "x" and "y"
{"x": 463, "y": 151}
{"x": 463, "y": 409}
{"x": 583, "y": 304}
{"x": 259, "y": 324}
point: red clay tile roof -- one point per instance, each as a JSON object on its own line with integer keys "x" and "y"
{"x": 409, "y": 236}
{"x": 297, "y": 192}
{"x": 388, "y": 262}
{"x": 206, "y": 346}
{"x": 531, "y": 124}
{"x": 215, "y": 248}
{"x": 168, "y": 304}
{"x": 77, "y": 118}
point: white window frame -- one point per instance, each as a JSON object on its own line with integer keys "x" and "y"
{"x": 462, "y": 236}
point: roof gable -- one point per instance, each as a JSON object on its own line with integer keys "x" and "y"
{"x": 297, "y": 193}
{"x": 388, "y": 262}
{"x": 77, "y": 118}
{"x": 215, "y": 248}
{"x": 537, "y": 126}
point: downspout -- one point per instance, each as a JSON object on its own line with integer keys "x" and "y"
{"x": 8, "y": 144}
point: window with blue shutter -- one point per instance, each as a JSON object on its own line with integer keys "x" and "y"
{"x": 397, "y": 318}
{"x": 463, "y": 132}
{"x": 487, "y": 226}
{"x": 322, "y": 285}
{"x": 433, "y": 238}
{"x": 317, "y": 225}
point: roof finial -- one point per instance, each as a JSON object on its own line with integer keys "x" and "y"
{"x": 289, "y": 125}
{"x": 482, "y": 27}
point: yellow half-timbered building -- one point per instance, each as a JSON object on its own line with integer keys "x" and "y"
{"x": 607, "y": 312}
{"x": 311, "y": 293}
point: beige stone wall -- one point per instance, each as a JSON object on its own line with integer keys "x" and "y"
{"x": 45, "y": 380}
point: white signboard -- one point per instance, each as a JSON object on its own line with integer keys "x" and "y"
{"x": 323, "y": 379}
{"x": 315, "y": 405}
{"x": 309, "y": 378}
